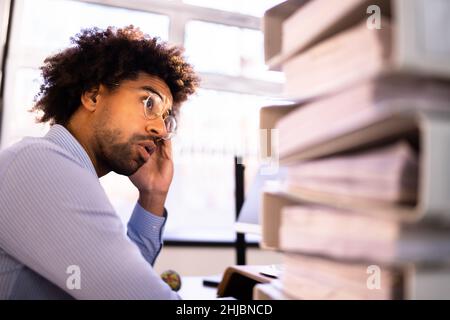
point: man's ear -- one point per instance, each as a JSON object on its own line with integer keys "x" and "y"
{"x": 89, "y": 98}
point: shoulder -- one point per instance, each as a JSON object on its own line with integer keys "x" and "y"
{"x": 39, "y": 163}
{"x": 31, "y": 148}
{"x": 43, "y": 180}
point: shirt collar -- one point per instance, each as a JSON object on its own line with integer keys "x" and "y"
{"x": 62, "y": 137}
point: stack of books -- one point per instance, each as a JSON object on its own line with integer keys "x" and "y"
{"x": 364, "y": 209}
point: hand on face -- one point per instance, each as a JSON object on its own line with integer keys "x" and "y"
{"x": 155, "y": 176}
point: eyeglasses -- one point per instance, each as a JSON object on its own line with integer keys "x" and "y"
{"x": 154, "y": 108}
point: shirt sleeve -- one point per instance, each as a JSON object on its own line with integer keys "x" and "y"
{"x": 146, "y": 229}
{"x": 56, "y": 215}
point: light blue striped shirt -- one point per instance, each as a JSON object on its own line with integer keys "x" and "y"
{"x": 60, "y": 237}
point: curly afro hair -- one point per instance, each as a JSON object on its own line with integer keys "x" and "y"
{"x": 107, "y": 57}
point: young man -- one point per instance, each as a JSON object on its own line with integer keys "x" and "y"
{"x": 111, "y": 99}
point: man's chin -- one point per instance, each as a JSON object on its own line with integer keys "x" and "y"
{"x": 129, "y": 169}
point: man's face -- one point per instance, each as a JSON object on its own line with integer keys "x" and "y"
{"x": 124, "y": 137}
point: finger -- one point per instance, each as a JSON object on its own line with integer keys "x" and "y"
{"x": 165, "y": 149}
{"x": 168, "y": 148}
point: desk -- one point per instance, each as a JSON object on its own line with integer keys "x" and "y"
{"x": 192, "y": 288}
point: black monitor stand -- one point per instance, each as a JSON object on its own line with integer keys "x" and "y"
{"x": 240, "y": 244}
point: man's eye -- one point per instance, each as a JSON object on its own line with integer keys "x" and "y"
{"x": 149, "y": 103}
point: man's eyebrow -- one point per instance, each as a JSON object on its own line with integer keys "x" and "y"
{"x": 148, "y": 88}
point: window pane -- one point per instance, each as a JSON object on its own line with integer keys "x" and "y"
{"x": 214, "y": 127}
{"x": 66, "y": 18}
{"x": 18, "y": 121}
{"x": 236, "y": 52}
{"x": 250, "y": 7}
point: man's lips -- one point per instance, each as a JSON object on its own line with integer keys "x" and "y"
{"x": 148, "y": 146}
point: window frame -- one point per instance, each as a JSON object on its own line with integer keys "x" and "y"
{"x": 5, "y": 13}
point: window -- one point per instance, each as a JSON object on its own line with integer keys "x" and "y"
{"x": 222, "y": 49}
{"x": 17, "y": 120}
{"x": 67, "y": 18}
{"x": 204, "y": 182}
{"x": 224, "y": 44}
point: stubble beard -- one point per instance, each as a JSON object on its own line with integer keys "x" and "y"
{"x": 116, "y": 155}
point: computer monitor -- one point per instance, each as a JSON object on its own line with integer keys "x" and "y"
{"x": 248, "y": 220}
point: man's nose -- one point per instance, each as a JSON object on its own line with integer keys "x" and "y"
{"x": 157, "y": 127}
